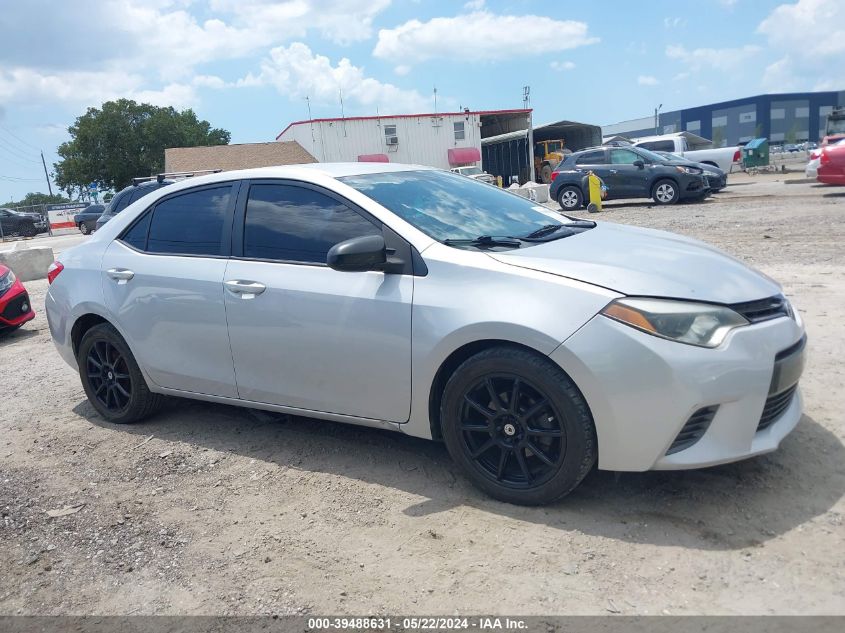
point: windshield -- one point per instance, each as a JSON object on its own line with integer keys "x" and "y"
{"x": 446, "y": 206}
{"x": 471, "y": 171}
{"x": 652, "y": 156}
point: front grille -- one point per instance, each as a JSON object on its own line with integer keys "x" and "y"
{"x": 694, "y": 429}
{"x": 13, "y": 310}
{"x": 762, "y": 309}
{"x": 775, "y": 407}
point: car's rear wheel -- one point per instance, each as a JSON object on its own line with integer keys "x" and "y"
{"x": 570, "y": 198}
{"x": 517, "y": 426}
{"x": 112, "y": 379}
{"x": 83, "y": 228}
{"x": 665, "y": 192}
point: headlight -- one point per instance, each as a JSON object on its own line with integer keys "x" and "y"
{"x": 688, "y": 170}
{"x": 712, "y": 174}
{"x": 6, "y": 281}
{"x": 702, "y": 324}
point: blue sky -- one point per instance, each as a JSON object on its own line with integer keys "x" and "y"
{"x": 248, "y": 65}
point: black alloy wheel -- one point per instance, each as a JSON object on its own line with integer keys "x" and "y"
{"x": 511, "y": 431}
{"x": 109, "y": 375}
{"x": 517, "y": 426}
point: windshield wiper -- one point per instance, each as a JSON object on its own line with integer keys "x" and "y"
{"x": 485, "y": 240}
{"x": 556, "y": 231}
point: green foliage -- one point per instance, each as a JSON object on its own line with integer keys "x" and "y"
{"x": 792, "y": 135}
{"x": 38, "y": 198}
{"x": 123, "y": 139}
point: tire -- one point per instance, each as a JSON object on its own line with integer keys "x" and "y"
{"x": 665, "y": 192}
{"x": 83, "y": 228}
{"x": 546, "y": 174}
{"x": 570, "y": 198}
{"x": 548, "y": 417}
{"x": 28, "y": 230}
{"x": 103, "y": 345}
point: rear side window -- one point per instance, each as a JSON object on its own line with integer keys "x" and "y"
{"x": 191, "y": 223}
{"x": 290, "y": 223}
{"x": 122, "y": 202}
{"x": 136, "y": 236}
{"x": 591, "y": 158}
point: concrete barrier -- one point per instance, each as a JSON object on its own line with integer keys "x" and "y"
{"x": 28, "y": 263}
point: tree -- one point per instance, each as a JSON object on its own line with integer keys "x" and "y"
{"x": 718, "y": 136}
{"x": 123, "y": 139}
{"x": 39, "y": 198}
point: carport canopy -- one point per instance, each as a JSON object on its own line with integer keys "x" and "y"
{"x": 577, "y": 135}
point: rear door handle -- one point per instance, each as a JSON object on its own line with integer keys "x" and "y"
{"x": 245, "y": 289}
{"x": 121, "y": 275}
{"x": 614, "y": 171}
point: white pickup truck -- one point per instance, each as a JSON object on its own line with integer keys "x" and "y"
{"x": 694, "y": 148}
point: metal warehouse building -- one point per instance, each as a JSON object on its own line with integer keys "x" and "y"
{"x": 789, "y": 117}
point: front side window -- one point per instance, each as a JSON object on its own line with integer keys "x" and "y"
{"x": 623, "y": 157}
{"x": 190, "y": 223}
{"x": 290, "y": 223}
{"x": 445, "y": 205}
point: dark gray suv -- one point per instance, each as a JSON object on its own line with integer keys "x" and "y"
{"x": 628, "y": 172}
{"x": 127, "y": 196}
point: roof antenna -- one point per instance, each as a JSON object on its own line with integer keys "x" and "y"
{"x": 526, "y": 97}
{"x": 342, "y": 115}
{"x": 310, "y": 121}
{"x": 435, "y": 99}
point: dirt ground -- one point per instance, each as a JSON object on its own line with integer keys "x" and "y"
{"x": 209, "y": 509}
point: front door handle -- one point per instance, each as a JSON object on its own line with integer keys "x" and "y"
{"x": 121, "y": 275}
{"x": 614, "y": 171}
{"x": 246, "y": 289}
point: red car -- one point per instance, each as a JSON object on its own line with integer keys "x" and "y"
{"x": 832, "y": 165}
{"x": 15, "y": 306}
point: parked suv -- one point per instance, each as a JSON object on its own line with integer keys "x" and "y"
{"x": 628, "y": 172}
{"x": 127, "y": 196}
{"x": 14, "y": 223}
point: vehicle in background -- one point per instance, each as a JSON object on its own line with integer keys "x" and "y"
{"x": 86, "y": 221}
{"x": 834, "y": 129}
{"x": 832, "y": 164}
{"x": 722, "y": 157}
{"x": 476, "y": 173}
{"x": 812, "y": 169}
{"x": 127, "y": 196}
{"x": 628, "y": 172}
{"x": 547, "y": 156}
{"x": 18, "y": 224}
{"x": 15, "y": 306}
{"x": 716, "y": 178}
{"x": 791, "y": 148}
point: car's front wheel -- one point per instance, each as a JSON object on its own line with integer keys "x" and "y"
{"x": 570, "y": 198}
{"x": 665, "y": 192}
{"x": 112, "y": 379}
{"x": 83, "y": 228}
{"x": 28, "y": 230}
{"x": 517, "y": 426}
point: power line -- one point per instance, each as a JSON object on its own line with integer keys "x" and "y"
{"x": 9, "y": 149}
{"x": 10, "y": 133}
{"x": 18, "y": 179}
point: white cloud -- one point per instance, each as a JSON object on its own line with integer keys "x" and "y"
{"x": 561, "y": 66}
{"x": 647, "y": 80}
{"x": 810, "y": 36}
{"x": 680, "y": 76}
{"x": 296, "y": 71}
{"x": 480, "y": 36}
{"x": 728, "y": 3}
{"x": 713, "y": 58}
{"x": 402, "y": 69}
{"x": 672, "y": 23}
{"x": 474, "y": 5}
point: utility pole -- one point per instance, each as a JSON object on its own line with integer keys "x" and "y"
{"x": 435, "y": 99}
{"x": 656, "y": 124}
{"x": 46, "y": 175}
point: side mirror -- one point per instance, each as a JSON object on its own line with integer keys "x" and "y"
{"x": 639, "y": 164}
{"x": 358, "y": 254}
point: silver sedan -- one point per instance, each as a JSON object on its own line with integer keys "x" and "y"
{"x": 534, "y": 345}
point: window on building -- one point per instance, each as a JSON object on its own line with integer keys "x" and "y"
{"x": 693, "y": 126}
{"x": 296, "y": 224}
{"x": 390, "y": 136}
{"x": 460, "y": 134}
{"x": 778, "y": 113}
{"x": 802, "y": 113}
{"x": 748, "y": 117}
{"x": 669, "y": 129}
{"x": 191, "y": 223}
{"x": 720, "y": 121}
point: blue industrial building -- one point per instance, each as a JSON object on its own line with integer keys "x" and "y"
{"x": 790, "y": 117}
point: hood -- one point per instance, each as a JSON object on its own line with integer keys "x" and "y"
{"x": 645, "y": 262}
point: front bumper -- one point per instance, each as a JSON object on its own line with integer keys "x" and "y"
{"x": 693, "y": 186}
{"x": 642, "y": 390}
{"x": 15, "y": 307}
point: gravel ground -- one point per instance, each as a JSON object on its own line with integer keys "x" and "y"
{"x": 209, "y": 509}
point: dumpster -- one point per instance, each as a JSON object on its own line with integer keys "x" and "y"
{"x": 756, "y": 153}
